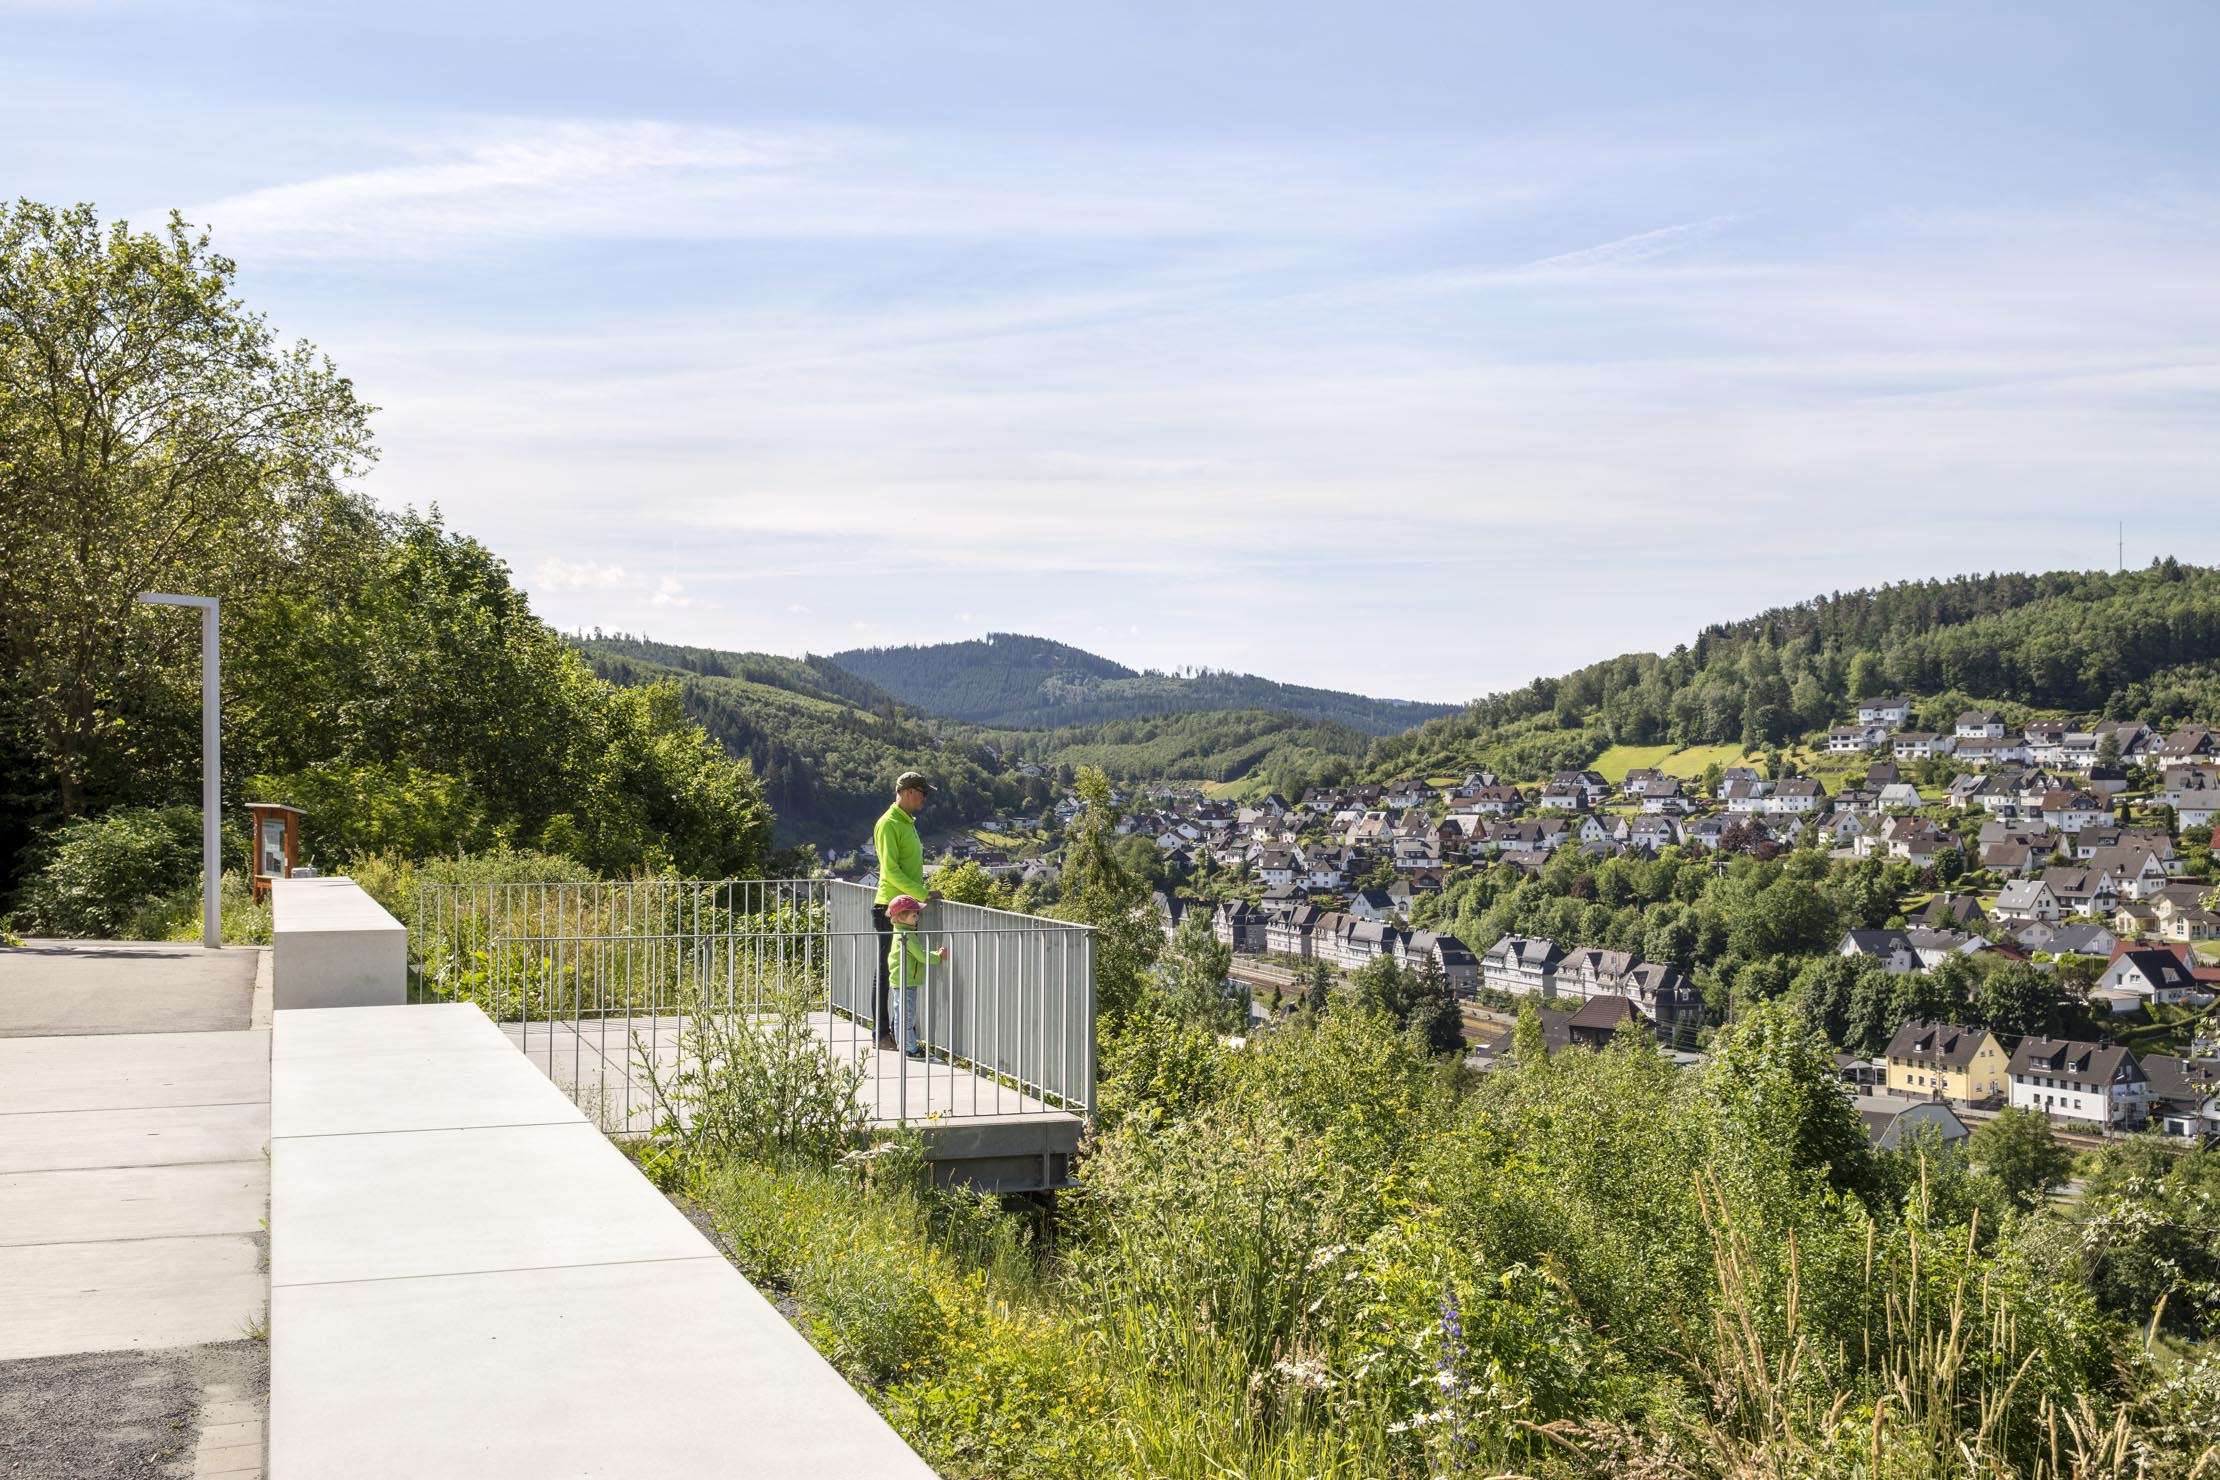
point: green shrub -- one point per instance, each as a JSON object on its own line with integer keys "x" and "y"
{"x": 246, "y": 921}
{"x": 105, "y": 876}
{"x": 750, "y": 1088}
{"x": 768, "y": 1216}
{"x": 871, "y": 1306}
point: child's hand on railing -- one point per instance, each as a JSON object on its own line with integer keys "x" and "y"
{"x": 941, "y": 954}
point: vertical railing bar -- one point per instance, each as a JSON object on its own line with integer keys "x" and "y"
{"x": 578, "y": 1005}
{"x": 630, "y": 965}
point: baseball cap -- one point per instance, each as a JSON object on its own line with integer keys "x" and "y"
{"x": 902, "y": 904}
{"x": 917, "y": 779}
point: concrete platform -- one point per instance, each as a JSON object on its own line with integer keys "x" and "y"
{"x": 476, "y": 1282}
{"x": 350, "y": 1070}
{"x": 978, "y": 1131}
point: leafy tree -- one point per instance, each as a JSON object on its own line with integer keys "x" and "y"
{"x": 2018, "y": 1152}
{"x": 2017, "y": 999}
{"x": 1318, "y": 989}
{"x": 1827, "y": 988}
{"x": 153, "y": 436}
{"x": 1771, "y": 1081}
{"x": 1529, "y": 1049}
{"x": 968, "y": 883}
{"x": 1099, "y": 892}
{"x": 1787, "y": 917}
{"x": 1381, "y": 987}
{"x": 1430, "y": 1012}
{"x": 1193, "y": 973}
{"x": 1950, "y": 864}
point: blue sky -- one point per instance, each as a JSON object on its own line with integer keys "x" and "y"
{"x": 1415, "y": 349}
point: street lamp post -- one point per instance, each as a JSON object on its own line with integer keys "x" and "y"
{"x": 211, "y": 765}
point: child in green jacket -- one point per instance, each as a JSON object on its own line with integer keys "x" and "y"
{"x": 906, "y": 961}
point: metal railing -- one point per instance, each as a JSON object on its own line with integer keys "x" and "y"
{"x": 599, "y": 981}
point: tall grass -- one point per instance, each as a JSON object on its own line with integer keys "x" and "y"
{"x": 1334, "y": 1262}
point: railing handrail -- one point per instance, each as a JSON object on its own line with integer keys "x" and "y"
{"x": 1014, "y": 1003}
{"x": 1032, "y": 921}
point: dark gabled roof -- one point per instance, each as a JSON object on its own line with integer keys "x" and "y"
{"x": 2160, "y": 967}
{"x": 1877, "y": 942}
{"x": 2093, "y": 1064}
{"x": 1943, "y": 1044}
{"x": 1662, "y": 980}
{"x": 2191, "y": 1080}
{"x": 1533, "y": 950}
{"x": 2077, "y": 940}
{"x": 1603, "y": 1014}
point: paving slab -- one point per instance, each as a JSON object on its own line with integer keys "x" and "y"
{"x": 417, "y": 1089}
{"x": 368, "y": 1207}
{"x": 129, "y": 1293}
{"x": 619, "y": 1371}
{"x": 49, "y": 988}
{"x": 132, "y": 1071}
{"x": 167, "y": 1135}
{"x": 79, "y": 1205}
{"x": 361, "y": 1032}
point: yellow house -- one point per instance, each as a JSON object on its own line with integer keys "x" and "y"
{"x": 1939, "y": 1061}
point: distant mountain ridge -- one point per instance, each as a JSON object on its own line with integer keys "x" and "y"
{"x": 1012, "y": 681}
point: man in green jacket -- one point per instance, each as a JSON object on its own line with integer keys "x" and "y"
{"x": 901, "y": 871}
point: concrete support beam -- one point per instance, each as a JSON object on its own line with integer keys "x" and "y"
{"x": 334, "y": 946}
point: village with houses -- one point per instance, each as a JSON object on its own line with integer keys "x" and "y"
{"x": 2081, "y": 850}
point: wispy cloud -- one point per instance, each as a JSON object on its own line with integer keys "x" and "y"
{"x": 487, "y": 184}
{"x": 1640, "y": 247}
{"x": 558, "y": 574}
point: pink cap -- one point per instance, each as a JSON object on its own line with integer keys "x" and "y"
{"x": 903, "y": 904}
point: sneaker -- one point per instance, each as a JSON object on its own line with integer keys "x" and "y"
{"x": 915, "y": 1053}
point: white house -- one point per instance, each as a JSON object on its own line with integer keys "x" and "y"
{"x": 1796, "y": 794}
{"x": 1891, "y": 711}
{"x": 1980, "y": 724}
{"x": 1919, "y": 745}
{"x": 2025, "y": 901}
{"x": 2069, "y": 1080}
{"x": 1522, "y": 965}
{"x": 2153, "y": 974}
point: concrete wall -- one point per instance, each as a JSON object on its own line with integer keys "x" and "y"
{"x": 334, "y": 946}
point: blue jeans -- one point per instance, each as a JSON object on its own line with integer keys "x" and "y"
{"x": 905, "y": 1018}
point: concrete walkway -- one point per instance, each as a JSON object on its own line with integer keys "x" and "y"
{"x": 470, "y": 1280}
{"x": 134, "y": 1117}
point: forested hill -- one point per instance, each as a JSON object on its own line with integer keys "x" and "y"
{"x": 1016, "y": 682}
{"x": 828, "y": 744}
{"x": 2141, "y": 644}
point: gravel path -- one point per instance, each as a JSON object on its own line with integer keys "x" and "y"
{"x": 116, "y": 1415}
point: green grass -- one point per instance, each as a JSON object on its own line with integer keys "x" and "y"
{"x": 1614, "y": 763}
{"x": 1697, "y": 759}
{"x": 1673, "y": 760}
